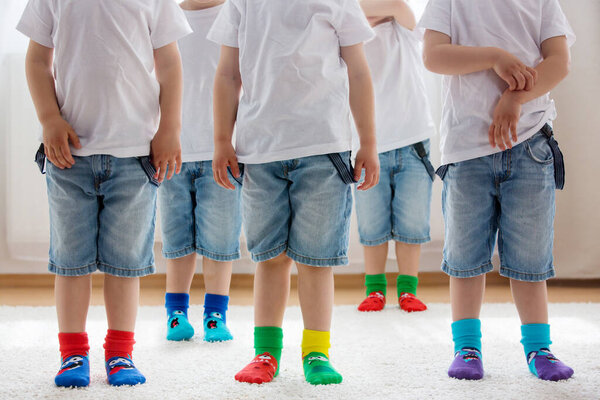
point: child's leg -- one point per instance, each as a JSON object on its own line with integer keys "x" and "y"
{"x": 180, "y": 273}
{"x": 531, "y": 299}
{"x": 375, "y": 280}
{"x": 315, "y": 290}
{"x": 217, "y": 279}
{"x": 271, "y": 293}
{"x": 374, "y": 214}
{"x": 408, "y": 257}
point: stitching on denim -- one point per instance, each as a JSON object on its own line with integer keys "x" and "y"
{"x": 313, "y": 258}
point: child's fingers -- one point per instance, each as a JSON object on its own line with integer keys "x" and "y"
{"x": 178, "y": 161}
{"x": 498, "y": 136}
{"x": 74, "y": 139}
{"x": 506, "y": 134}
{"x": 528, "y": 80}
{"x": 513, "y": 129}
{"x": 225, "y": 182}
{"x": 66, "y": 153}
{"x": 520, "y": 80}
{"x": 58, "y": 154}
{"x": 533, "y": 73}
{"x": 171, "y": 168}
{"x": 512, "y": 82}
{"x": 162, "y": 170}
{"x": 358, "y": 169}
{"x": 235, "y": 168}
{"x": 491, "y": 137}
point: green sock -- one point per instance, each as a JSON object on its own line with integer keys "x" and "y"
{"x": 318, "y": 370}
{"x": 407, "y": 284}
{"x": 376, "y": 283}
{"x": 268, "y": 339}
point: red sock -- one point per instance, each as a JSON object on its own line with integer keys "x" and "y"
{"x": 118, "y": 344}
{"x": 73, "y": 344}
{"x": 375, "y": 301}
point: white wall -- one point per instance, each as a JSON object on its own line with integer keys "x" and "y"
{"x": 23, "y": 205}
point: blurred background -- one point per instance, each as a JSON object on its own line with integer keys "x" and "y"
{"x": 23, "y": 205}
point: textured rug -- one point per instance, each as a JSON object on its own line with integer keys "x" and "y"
{"x": 386, "y": 355}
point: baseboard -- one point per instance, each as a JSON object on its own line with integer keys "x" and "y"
{"x": 243, "y": 281}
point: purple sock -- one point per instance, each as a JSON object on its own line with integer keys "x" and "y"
{"x": 466, "y": 365}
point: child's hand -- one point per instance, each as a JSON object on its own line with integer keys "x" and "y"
{"x": 57, "y": 135}
{"x": 506, "y": 118}
{"x": 225, "y": 157}
{"x": 165, "y": 153}
{"x": 368, "y": 159}
{"x": 517, "y": 75}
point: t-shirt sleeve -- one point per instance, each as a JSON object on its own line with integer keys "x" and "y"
{"x": 437, "y": 17}
{"x": 168, "y": 24}
{"x": 37, "y": 22}
{"x": 226, "y": 27}
{"x": 353, "y": 27}
{"x": 554, "y": 23}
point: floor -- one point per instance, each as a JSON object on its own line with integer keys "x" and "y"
{"x": 152, "y": 294}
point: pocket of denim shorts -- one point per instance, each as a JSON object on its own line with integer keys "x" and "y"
{"x": 239, "y": 180}
{"x": 149, "y": 170}
{"x": 539, "y": 150}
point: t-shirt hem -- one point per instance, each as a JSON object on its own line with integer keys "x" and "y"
{"x": 193, "y": 157}
{"x": 122, "y": 152}
{"x": 171, "y": 37}
{"x": 222, "y": 37}
{"x": 434, "y": 25}
{"x": 314, "y": 150}
{"x": 383, "y": 147}
{"x": 356, "y": 38}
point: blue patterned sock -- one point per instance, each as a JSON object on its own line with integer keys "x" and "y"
{"x": 215, "y": 328}
{"x": 542, "y": 363}
{"x": 74, "y": 372}
{"x": 178, "y": 326}
{"x": 467, "y": 363}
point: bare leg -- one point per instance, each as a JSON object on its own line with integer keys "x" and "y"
{"x": 217, "y": 276}
{"x": 407, "y": 257}
{"x": 180, "y": 273}
{"x": 375, "y": 258}
{"x": 72, "y": 294}
{"x": 466, "y": 295}
{"x": 121, "y": 299}
{"x": 531, "y": 299}
{"x": 271, "y": 290}
{"x": 315, "y": 290}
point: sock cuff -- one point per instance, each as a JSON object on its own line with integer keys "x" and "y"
{"x": 407, "y": 284}
{"x": 318, "y": 341}
{"x": 375, "y": 279}
{"x": 268, "y": 336}
{"x": 73, "y": 344}
{"x": 177, "y": 300}
{"x": 216, "y": 301}
{"x": 119, "y": 341}
{"x": 466, "y": 333}
{"x": 535, "y": 337}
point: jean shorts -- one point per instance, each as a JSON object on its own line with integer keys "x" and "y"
{"x": 301, "y": 207}
{"x": 199, "y": 216}
{"x": 398, "y": 207}
{"x": 509, "y": 194}
{"x": 102, "y": 216}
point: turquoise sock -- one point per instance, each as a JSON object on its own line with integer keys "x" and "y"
{"x": 535, "y": 337}
{"x": 215, "y": 318}
{"x": 178, "y": 326}
{"x": 466, "y": 333}
{"x": 541, "y": 362}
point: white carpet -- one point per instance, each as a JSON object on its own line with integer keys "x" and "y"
{"x": 381, "y": 355}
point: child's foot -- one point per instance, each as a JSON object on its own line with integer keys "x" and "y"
{"x": 545, "y": 366}
{"x": 178, "y": 327}
{"x": 215, "y": 329}
{"x": 260, "y": 370}
{"x": 74, "y": 372}
{"x": 121, "y": 371}
{"x": 466, "y": 365}
{"x": 409, "y": 303}
{"x": 318, "y": 370}
{"x": 375, "y": 301}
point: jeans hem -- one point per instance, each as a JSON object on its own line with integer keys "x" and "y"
{"x": 79, "y": 271}
{"x": 468, "y": 273}
{"x": 404, "y": 239}
{"x": 218, "y": 257}
{"x": 376, "y": 242}
{"x": 317, "y": 262}
{"x": 126, "y": 272}
{"x": 527, "y": 277}
{"x": 269, "y": 254}
{"x": 179, "y": 253}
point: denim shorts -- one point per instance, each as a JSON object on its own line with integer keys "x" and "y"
{"x": 199, "y": 216}
{"x": 398, "y": 207}
{"x": 102, "y": 216}
{"x": 299, "y": 206}
{"x": 510, "y": 194}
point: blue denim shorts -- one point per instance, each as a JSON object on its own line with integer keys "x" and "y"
{"x": 510, "y": 194}
{"x": 299, "y": 206}
{"x": 102, "y": 216}
{"x": 398, "y": 207}
{"x": 197, "y": 215}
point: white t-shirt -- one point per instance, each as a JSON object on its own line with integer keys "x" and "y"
{"x": 295, "y": 100}
{"x": 402, "y": 110}
{"x": 516, "y": 26}
{"x": 104, "y": 66}
{"x": 200, "y": 58}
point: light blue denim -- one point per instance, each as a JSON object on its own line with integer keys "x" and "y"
{"x": 511, "y": 194}
{"x": 102, "y": 216}
{"x": 300, "y": 207}
{"x": 197, "y": 215}
{"x": 398, "y": 207}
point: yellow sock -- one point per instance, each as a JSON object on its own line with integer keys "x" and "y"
{"x": 315, "y": 341}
